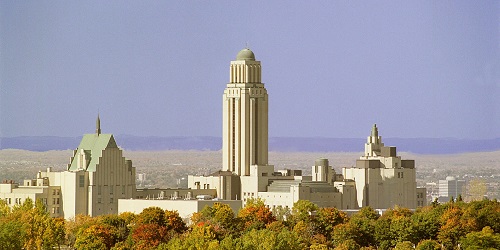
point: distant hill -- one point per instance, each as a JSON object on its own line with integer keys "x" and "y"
{"x": 280, "y": 144}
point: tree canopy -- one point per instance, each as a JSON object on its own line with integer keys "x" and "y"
{"x": 470, "y": 225}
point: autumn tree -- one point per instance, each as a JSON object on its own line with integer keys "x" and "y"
{"x": 454, "y": 225}
{"x": 327, "y": 218}
{"x": 255, "y": 214}
{"x": 154, "y": 226}
{"x": 76, "y": 226}
{"x": 98, "y": 236}
{"x": 220, "y": 216}
{"x": 118, "y": 225}
{"x": 38, "y": 228}
{"x": 174, "y": 221}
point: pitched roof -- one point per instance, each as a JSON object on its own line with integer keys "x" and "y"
{"x": 93, "y": 145}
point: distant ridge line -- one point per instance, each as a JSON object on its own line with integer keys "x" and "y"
{"x": 280, "y": 144}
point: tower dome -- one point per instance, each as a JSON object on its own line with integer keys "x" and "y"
{"x": 245, "y": 54}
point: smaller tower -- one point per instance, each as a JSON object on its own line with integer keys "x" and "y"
{"x": 98, "y": 125}
{"x": 373, "y": 145}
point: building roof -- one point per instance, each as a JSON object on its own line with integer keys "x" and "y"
{"x": 245, "y": 54}
{"x": 221, "y": 173}
{"x": 93, "y": 145}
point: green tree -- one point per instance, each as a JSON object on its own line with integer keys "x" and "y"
{"x": 404, "y": 245}
{"x": 55, "y": 233}
{"x": 486, "y": 213}
{"x": 348, "y": 244}
{"x": 220, "y": 216}
{"x": 4, "y": 208}
{"x": 364, "y": 221}
{"x": 267, "y": 239}
{"x": 425, "y": 224}
{"x": 37, "y": 225}
{"x": 302, "y": 210}
{"x": 119, "y": 227}
{"x": 344, "y": 234}
{"x": 485, "y": 239}
{"x": 428, "y": 245}
{"x": 394, "y": 226}
{"x": 151, "y": 215}
{"x": 201, "y": 237}
{"x": 12, "y": 234}
{"x": 281, "y": 213}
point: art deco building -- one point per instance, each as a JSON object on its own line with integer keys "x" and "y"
{"x": 245, "y": 112}
{"x": 382, "y": 178}
{"x": 96, "y": 177}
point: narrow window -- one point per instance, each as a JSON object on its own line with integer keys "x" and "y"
{"x": 82, "y": 181}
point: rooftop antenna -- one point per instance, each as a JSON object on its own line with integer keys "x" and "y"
{"x": 246, "y": 45}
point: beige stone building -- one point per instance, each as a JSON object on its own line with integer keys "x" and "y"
{"x": 96, "y": 177}
{"x": 382, "y": 178}
{"x": 99, "y": 180}
{"x": 36, "y": 189}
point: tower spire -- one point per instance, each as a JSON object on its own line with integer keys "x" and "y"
{"x": 98, "y": 125}
{"x": 375, "y": 130}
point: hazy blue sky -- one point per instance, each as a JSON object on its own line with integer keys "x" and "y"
{"x": 331, "y": 68}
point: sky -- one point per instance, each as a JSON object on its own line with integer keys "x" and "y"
{"x": 331, "y": 68}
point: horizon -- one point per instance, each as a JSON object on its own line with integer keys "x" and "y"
{"x": 418, "y": 70}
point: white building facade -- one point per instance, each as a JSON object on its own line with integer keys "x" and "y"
{"x": 382, "y": 178}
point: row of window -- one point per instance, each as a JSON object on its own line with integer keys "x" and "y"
{"x": 55, "y": 210}
{"x": 110, "y": 189}
{"x": 111, "y": 200}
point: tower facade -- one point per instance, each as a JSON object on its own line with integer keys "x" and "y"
{"x": 245, "y": 116}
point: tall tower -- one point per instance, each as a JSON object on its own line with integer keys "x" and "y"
{"x": 245, "y": 111}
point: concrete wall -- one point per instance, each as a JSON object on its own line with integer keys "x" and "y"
{"x": 185, "y": 207}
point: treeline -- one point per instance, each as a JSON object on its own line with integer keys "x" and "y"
{"x": 453, "y": 225}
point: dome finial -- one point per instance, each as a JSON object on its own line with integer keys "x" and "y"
{"x": 245, "y": 55}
